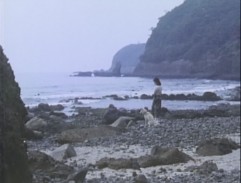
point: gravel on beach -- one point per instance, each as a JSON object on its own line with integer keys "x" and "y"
{"x": 183, "y": 133}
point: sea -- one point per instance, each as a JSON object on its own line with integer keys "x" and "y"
{"x": 62, "y": 88}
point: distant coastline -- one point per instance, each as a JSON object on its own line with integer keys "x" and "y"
{"x": 164, "y": 76}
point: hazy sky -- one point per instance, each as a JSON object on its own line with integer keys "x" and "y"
{"x": 74, "y": 35}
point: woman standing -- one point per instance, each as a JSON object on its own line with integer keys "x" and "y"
{"x": 156, "y": 104}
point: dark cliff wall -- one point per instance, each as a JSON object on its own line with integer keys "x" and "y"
{"x": 13, "y": 157}
{"x": 200, "y": 38}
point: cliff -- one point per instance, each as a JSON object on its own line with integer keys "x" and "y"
{"x": 13, "y": 157}
{"x": 200, "y": 38}
{"x": 124, "y": 62}
{"x": 127, "y": 58}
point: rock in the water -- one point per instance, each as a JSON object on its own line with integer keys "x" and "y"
{"x": 57, "y": 107}
{"x": 210, "y": 96}
{"x": 44, "y": 107}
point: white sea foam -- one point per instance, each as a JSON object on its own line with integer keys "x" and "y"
{"x": 55, "y": 88}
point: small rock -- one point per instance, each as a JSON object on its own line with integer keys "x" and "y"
{"x": 207, "y": 168}
{"x": 122, "y": 122}
{"x": 63, "y": 152}
{"x": 79, "y": 176}
{"x": 140, "y": 179}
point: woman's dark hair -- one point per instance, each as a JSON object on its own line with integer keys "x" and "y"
{"x": 157, "y": 81}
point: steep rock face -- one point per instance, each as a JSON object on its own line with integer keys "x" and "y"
{"x": 200, "y": 38}
{"x": 13, "y": 157}
{"x": 127, "y": 58}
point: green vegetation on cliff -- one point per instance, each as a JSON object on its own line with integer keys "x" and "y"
{"x": 199, "y": 38}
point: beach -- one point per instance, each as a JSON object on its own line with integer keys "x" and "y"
{"x": 95, "y": 140}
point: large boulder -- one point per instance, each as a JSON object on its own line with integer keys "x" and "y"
{"x": 33, "y": 134}
{"x": 46, "y": 166}
{"x": 13, "y": 156}
{"x": 82, "y": 134}
{"x": 216, "y": 146}
{"x": 163, "y": 156}
{"x": 111, "y": 115}
{"x": 42, "y": 107}
{"x": 36, "y": 124}
{"x": 210, "y": 96}
{"x": 158, "y": 156}
{"x": 204, "y": 169}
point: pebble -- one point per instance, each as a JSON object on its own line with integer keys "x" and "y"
{"x": 184, "y": 133}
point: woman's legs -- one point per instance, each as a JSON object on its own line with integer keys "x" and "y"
{"x": 156, "y": 107}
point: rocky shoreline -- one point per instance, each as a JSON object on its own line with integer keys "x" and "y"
{"x": 232, "y": 95}
{"x": 77, "y": 145}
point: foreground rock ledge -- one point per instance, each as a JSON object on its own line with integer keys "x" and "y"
{"x": 13, "y": 157}
{"x": 159, "y": 156}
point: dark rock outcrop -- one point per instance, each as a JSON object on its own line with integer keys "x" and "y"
{"x": 13, "y": 156}
{"x": 46, "y": 167}
{"x": 206, "y": 96}
{"x": 111, "y": 114}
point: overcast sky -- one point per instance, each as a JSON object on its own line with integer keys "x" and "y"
{"x": 74, "y": 35}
